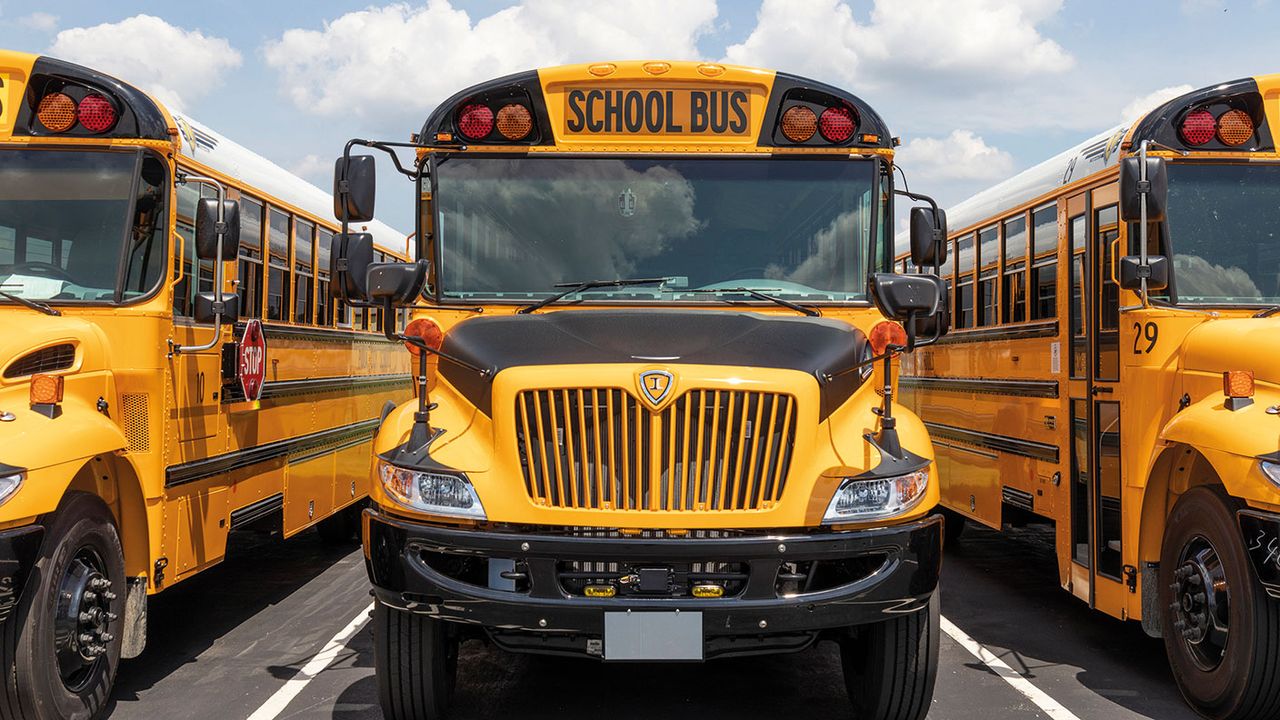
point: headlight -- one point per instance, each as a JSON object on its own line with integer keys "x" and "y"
{"x": 9, "y": 485}
{"x": 870, "y": 499}
{"x": 1271, "y": 470}
{"x": 433, "y": 492}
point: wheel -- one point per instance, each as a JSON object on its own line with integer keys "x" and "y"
{"x": 416, "y": 663}
{"x": 61, "y": 648}
{"x": 342, "y": 527}
{"x": 890, "y": 667}
{"x": 953, "y": 527}
{"x": 1221, "y": 630}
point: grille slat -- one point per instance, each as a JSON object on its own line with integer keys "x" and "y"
{"x": 49, "y": 359}
{"x": 600, "y": 448}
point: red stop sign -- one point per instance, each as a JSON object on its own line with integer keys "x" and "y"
{"x": 251, "y": 360}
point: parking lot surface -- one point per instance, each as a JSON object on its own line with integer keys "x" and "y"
{"x": 278, "y": 631}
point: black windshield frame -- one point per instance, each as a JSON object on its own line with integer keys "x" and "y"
{"x": 1174, "y": 238}
{"x": 163, "y": 224}
{"x": 878, "y": 251}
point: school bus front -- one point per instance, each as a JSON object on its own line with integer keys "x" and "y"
{"x": 655, "y": 428}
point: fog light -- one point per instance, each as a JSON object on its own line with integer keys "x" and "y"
{"x": 600, "y": 591}
{"x": 707, "y": 591}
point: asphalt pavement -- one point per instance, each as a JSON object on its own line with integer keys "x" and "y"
{"x": 277, "y": 631}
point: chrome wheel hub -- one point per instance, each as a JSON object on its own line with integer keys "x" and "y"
{"x": 1201, "y": 600}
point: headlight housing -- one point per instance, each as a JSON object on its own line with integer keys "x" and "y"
{"x": 438, "y": 493}
{"x": 1271, "y": 470}
{"x": 9, "y": 485}
{"x": 858, "y": 500}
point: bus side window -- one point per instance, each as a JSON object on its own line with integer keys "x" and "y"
{"x": 1044, "y": 266}
{"x": 250, "y": 263}
{"x": 1077, "y": 231}
{"x": 1014, "y": 289}
{"x": 964, "y": 281}
{"x": 304, "y": 238}
{"x": 184, "y": 292}
{"x": 1106, "y": 229}
{"x": 989, "y": 257}
{"x": 324, "y": 307}
{"x": 278, "y": 275}
{"x": 8, "y": 245}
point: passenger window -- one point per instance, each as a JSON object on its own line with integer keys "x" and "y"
{"x": 278, "y": 275}
{"x": 185, "y": 291}
{"x": 324, "y": 307}
{"x": 989, "y": 256}
{"x": 1106, "y": 226}
{"x": 1076, "y": 232}
{"x": 1014, "y": 290}
{"x": 964, "y": 281}
{"x": 304, "y": 257}
{"x": 250, "y": 262}
{"x": 1044, "y": 266}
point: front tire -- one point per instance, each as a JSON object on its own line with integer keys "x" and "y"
{"x": 890, "y": 667}
{"x": 416, "y": 663}
{"x": 61, "y": 649}
{"x": 1208, "y": 594}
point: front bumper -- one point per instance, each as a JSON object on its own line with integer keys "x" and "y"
{"x": 19, "y": 548}
{"x": 897, "y": 570}
{"x": 1260, "y": 532}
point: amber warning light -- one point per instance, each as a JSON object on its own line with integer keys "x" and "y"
{"x": 1237, "y": 385}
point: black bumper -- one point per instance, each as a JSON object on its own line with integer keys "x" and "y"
{"x": 1260, "y": 532}
{"x": 19, "y": 548}
{"x": 901, "y": 563}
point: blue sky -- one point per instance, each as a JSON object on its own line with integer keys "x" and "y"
{"x": 977, "y": 89}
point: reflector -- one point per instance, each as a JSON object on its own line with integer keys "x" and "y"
{"x": 1235, "y": 128}
{"x": 57, "y": 112}
{"x": 1197, "y": 127}
{"x": 799, "y": 123}
{"x": 476, "y": 121}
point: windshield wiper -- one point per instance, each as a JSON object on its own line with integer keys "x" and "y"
{"x": 1267, "y": 312}
{"x": 30, "y": 303}
{"x": 588, "y": 285}
{"x": 761, "y": 296}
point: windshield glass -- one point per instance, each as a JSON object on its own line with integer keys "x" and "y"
{"x": 64, "y": 216}
{"x": 510, "y": 229}
{"x": 1224, "y": 222}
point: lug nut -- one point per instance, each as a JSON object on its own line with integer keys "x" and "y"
{"x": 109, "y": 596}
{"x": 112, "y": 617}
{"x": 89, "y": 596}
{"x": 85, "y": 638}
{"x": 107, "y": 637}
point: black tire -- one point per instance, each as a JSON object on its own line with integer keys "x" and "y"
{"x": 342, "y": 527}
{"x": 82, "y": 547}
{"x": 953, "y": 527}
{"x": 890, "y": 667}
{"x": 1235, "y": 680}
{"x": 416, "y": 663}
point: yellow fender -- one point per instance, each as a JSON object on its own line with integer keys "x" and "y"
{"x": 1232, "y": 441}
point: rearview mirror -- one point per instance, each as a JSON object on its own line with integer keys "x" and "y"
{"x": 354, "y": 187}
{"x": 208, "y": 229}
{"x": 1132, "y": 189}
{"x": 936, "y": 325}
{"x": 1132, "y": 272}
{"x": 397, "y": 283}
{"x": 206, "y": 310}
{"x": 907, "y": 297}
{"x": 350, "y": 256}
{"x": 928, "y": 237}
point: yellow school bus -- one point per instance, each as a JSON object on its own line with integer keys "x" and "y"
{"x": 131, "y": 442}
{"x": 1114, "y": 367}
{"x": 656, "y": 422}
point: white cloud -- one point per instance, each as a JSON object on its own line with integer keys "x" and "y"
{"x": 177, "y": 66}
{"x": 1141, "y": 105}
{"x": 985, "y": 42}
{"x": 42, "y": 21}
{"x": 397, "y": 62}
{"x": 961, "y": 156}
{"x": 313, "y": 168}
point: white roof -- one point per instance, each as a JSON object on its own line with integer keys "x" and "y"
{"x": 206, "y": 146}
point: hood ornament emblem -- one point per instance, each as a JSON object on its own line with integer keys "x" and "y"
{"x": 656, "y": 387}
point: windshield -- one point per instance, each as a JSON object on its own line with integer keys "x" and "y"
{"x": 1224, "y": 221}
{"x": 512, "y": 228}
{"x": 64, "y": 219}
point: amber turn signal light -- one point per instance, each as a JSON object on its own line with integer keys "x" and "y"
{"x": 886, "y": 333}
{"x": 600, "y": 591}
{"x": 1237, "y": 383}
{"x": 46, "y": 389}
{"x": 707, "y": 591}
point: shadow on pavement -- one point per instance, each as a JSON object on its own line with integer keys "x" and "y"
{"x": 1046, "y": 627}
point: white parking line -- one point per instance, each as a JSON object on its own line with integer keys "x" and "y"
{"x": 1051, "y": 707}
{"x": 282, "y": 697}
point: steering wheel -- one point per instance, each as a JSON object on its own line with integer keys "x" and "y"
{"x": 43, "y": 268}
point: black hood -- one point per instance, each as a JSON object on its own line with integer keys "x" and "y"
{"x": 825, "y": 349}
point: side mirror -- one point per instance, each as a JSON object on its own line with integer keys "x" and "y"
{"x": 208, "y": 229}
{"x": 1132, "y": 189}
{"x": 350, "y": 256}
{"x": 207, "y": 310}
{"x": 928, "y": 237}
{"x": 906, "y": 297}
{"x": 933, "y": 327}
{"x": 398, "y": 284}
{"x": 1155, "y": 272}
{"x": 354, "y": 187}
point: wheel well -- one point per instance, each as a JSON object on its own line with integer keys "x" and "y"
{"x": 1178, "y": 469}
{"x": 114, "y": 481}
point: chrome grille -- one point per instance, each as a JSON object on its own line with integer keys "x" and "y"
{"x": 50, "y": 359}
{"x": 601, "y": 448}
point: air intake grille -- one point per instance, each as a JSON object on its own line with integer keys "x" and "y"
{"x": 600, "y": 448}
{"x": 136, "y": 419}
{"x": 50, "y": 359}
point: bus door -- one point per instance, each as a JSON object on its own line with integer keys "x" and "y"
{"x": 1098, "y": 575}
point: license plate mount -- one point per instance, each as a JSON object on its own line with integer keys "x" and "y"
{"x": 672, "y": 635}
